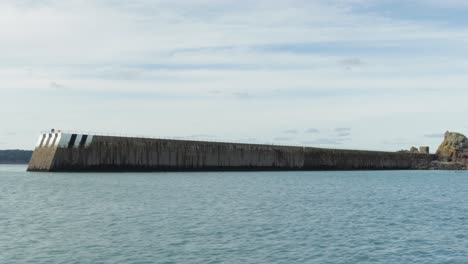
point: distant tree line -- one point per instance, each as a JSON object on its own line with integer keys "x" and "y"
{"x": 15, "y": 156}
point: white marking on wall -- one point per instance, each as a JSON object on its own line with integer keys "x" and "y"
{"x": 57, "y": 139}
{"x": 89, "y": 140}
{"x": 54, "y": 140}
{"x": 61, "y": 140}
{"x": 77, "y": 141}
{"x": 64, "y": 140}
{"x": 49, "y": 140}
{"x": 44, "y": 140}
{"x": 39, "y": 140}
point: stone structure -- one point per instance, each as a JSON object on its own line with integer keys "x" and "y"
{"x": 414, "y": 150}
{"x": 453, "y": 148}
{"x": 424, "y": 150}
{"x": 76, "y": 152}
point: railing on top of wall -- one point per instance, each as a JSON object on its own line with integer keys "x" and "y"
{"x": 187, "y": 138}
{"x": 197, "y": 138}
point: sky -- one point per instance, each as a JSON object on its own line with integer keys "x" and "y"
{"x": 359, "y": 74}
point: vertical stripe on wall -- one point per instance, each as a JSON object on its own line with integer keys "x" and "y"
{"x": 64, "y": 140}
{"x": 49, "y": 137}
{"x": 89, "y": 140}
{"x": 54, "y": 140}
{"x": 71, "y": 143}
{"x": 40, "y": 141}
{"x": 77, "y": 141}
{"x": 58, "y": 139}
{"x": 83, "y": 141}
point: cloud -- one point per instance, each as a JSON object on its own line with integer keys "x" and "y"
{"x": 291, "y": 131}
{"x": 57, "y": 86}
{"x": 342, "y": 129}
{"x": 200, "y": 137}
{"x": 435, "y": 135}
{"x": 351, "y": 62}
{"x": 242, "y": 95}
{"x": 341, "y": 136}
{"x": 283, "y": 138}
{"x": 169, "y": 56}
{"x": 322, "y": 141}
{"x": 312, "y": 131}
{"x": 344, "y": 134}
{"x": 456, "y": 4}
{"x": 397, "y": 141}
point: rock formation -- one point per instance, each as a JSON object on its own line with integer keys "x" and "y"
{"x": 443, "y": 165}
{"x": 414, "y": 150}
{"x": 452, "y": 148}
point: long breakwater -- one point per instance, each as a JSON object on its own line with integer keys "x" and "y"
{"x": 81, "y": 152}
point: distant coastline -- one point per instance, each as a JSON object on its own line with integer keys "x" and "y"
{"x": 15, "y": 156}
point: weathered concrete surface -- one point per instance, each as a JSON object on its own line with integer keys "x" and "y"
{"x": 42, "y": 159}
{"x": 137, "y": 154}
{"x": 336, "y": 159}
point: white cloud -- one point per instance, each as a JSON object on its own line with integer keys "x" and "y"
{"x": 446, "y": 3}
{"x": 145, "y": 59}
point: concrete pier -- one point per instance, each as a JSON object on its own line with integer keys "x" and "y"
{"x": 93, "y": 153}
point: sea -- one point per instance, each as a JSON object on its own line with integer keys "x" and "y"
{"x": 234, "y": 217}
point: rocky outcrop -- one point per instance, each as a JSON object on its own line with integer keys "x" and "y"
{"x": 411, "y": 150}
{"x": 452, "y": 148}
{"x": 444, "y": 165}
{"x": 414, "y": 150}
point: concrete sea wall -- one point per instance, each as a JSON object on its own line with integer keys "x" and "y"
{"x": 77, "y": 152}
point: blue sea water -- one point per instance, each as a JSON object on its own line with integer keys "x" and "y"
{"x": 236, "y": 217}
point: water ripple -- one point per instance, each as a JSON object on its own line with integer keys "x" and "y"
{"x": 249, "y": 217}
